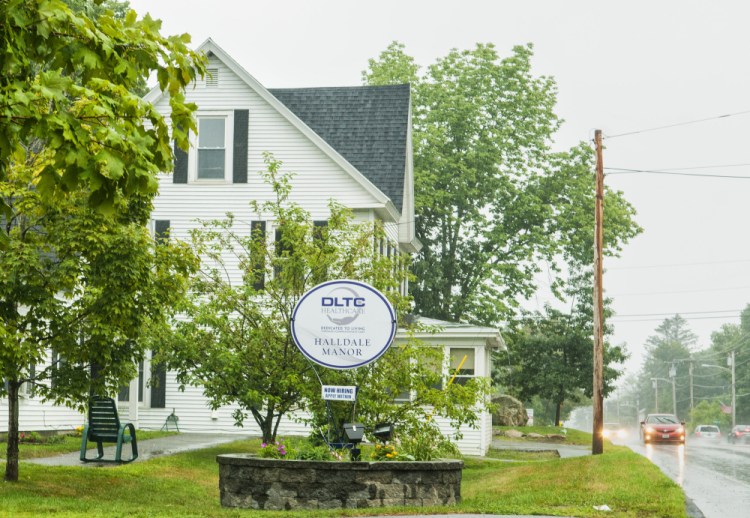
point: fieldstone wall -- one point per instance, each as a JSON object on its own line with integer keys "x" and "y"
{"x": 250, "y": 482}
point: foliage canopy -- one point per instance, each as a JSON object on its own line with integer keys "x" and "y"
{"x": 70, "y": 82}
{"x": 493, "y": 202}
{"x": 234, "y": 337}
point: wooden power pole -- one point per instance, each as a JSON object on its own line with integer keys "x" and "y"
{"x": 597, "y": 446}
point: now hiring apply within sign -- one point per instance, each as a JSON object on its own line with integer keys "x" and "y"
{"x": 343, "y": 324}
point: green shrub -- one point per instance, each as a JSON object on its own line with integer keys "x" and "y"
{"x": 425, "y": 441}
{"x": 308, "y": 451}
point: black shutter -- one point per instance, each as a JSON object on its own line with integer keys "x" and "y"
{"x": 161, "y": 230}
{"x": 319, "y": 240}
{"x": 32, "y": 376}
{"x": 239, "y": 160}
{"x": 318, "y": 229}
{"x": 258, "y": 263}
{"x": 53, "y": 369}
{"x": 180, "y": 174}
{"x": 158, "y": 386}
{"x": 95, "y": 370}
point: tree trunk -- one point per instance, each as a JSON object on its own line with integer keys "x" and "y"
{"x": 265, "y": 422}
{"x": 558, "y": 411}
{"x": 11, "y": 464}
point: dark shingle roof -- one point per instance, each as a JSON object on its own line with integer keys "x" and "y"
{"x": 367, "y": 125}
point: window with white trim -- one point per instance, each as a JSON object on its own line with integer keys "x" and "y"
{"x": 212, "y": 159}
{"x": 212, "y": 148}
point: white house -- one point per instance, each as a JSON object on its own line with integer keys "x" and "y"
{"x": 352, "y": 144}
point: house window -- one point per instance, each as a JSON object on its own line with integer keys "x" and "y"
{"x": 467, "y": 365}
{"x": 124, "y": 394}
{"x": 212, "y": 148}
{"x": 218, "y": 152}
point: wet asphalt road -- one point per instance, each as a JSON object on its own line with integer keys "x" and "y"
{"x": 715, "y": 475}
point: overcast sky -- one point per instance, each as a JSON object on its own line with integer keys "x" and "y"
{"x": 622, "y": 66}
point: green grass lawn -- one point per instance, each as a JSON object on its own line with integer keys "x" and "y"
{"x": 186, "y": 485}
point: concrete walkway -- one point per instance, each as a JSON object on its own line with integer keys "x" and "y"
{"x": 147, "y": 449}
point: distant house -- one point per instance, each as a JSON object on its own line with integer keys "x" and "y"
{"x": 352, "y": 144}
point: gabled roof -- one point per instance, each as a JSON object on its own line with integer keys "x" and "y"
{"x": 367, "y": 125}
{"x": 209, "y": 47}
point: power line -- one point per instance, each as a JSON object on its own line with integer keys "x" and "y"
{"x": 675, "y": 173}
{"x": 677, "y": 291}
{"x": 614, "y": 321}
{"x": 672, "y": 265}
{"x": 672, "y": 313}
{"x": 695, "y": 121}
{"x": 719, "y": 166}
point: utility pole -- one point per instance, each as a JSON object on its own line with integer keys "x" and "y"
{"x": 597, "y": 445}
{"x": 734, "y": 390}
{"x": 656, "y": 395}
{"x": 672, "y": 376}
{"x": 690, "y": 373}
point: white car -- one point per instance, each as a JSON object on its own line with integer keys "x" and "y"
{"x": 707, "y": 431}
{"x": 613, "y": 431}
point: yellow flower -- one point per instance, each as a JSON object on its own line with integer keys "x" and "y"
{"x": 389, "y": 455}
{"x": 377, "y": 446}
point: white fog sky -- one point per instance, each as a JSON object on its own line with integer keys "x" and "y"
{"x": 620, "y": 66}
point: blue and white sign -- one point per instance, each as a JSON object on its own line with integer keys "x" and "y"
{"x": 343, "y": 324}
{"x": 339, "y": 393}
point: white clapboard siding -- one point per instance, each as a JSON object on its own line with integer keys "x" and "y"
{"x": 35, "y": 416}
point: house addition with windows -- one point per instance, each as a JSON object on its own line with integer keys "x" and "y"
{"x": 352, "y": 144}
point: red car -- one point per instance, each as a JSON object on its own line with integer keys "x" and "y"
{"x": 662, "y": 428}
{"x": 740, "y": 433}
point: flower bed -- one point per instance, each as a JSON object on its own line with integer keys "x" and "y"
{"x": 247, "y": 481}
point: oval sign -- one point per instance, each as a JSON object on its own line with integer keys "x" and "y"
{"x": 343, "y": 324}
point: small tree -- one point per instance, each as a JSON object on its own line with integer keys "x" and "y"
{"x": 710, "y": 413}
{"x": 551, "y": 352}
{"x": 78, "y": 292}
{"x": 234, "y": 337}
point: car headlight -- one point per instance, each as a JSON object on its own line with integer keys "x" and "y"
{"x": 680, "y": 430}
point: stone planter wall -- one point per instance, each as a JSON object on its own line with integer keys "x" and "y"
{"x": 250, "y": 482}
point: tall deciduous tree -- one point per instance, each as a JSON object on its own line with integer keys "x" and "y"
{"x": 234, "y": 338}
{"x": 492, "y": 202}
{"x": 70, "y": 82}
{"x": 79, "y": 291}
